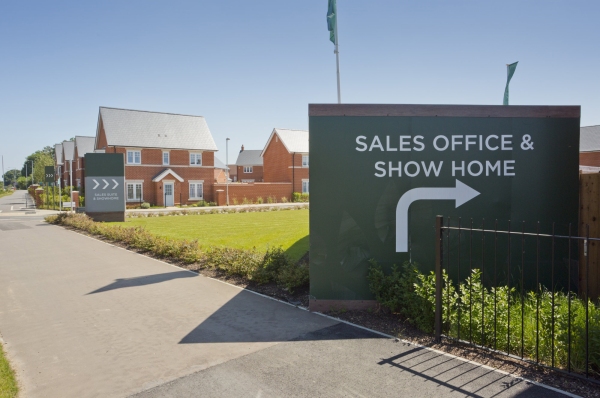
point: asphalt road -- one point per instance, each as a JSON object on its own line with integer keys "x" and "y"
{"x": 82, "y": 318}
{"x": 16, "y": 203}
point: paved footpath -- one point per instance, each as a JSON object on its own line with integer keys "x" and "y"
{"x": 82, "y": 318}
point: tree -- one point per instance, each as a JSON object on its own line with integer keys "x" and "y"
{"x": 40, "y": 160}
{"x": 10, "y": 177}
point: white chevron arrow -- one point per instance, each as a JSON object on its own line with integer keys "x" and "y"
{"x": 461, "y": 194}
{"x": 116, "y": 184}
{"x": 96, "y": 184}
{"x": 106, "y": 182}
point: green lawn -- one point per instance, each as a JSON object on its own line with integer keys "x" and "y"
{"x": 8, "y": 384}
{"x": 5, "y": 193}
{"x": 285, "y": 228}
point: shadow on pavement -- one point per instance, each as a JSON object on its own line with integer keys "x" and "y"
{"x": 144, "y": 280}
{"x": 464, "y": 378}
{"x": 251, "y": 318}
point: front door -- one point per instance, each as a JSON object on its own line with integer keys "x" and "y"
{"x": 169, "y": 194}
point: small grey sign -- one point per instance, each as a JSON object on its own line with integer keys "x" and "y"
{"x": 104, "y": 194}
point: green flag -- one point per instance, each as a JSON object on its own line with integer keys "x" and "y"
{"x": 332, "y": 20}
{"x": 511, "y": 71}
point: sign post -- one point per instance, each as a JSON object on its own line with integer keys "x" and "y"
{"x": 380, "y": 174}
{"x": 49, "y": 176}
{"x": 105, "y": 186}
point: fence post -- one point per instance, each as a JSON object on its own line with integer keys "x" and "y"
{"x": 439, "y": 221}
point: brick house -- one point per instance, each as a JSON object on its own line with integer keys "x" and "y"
{"x": 589, "y": 146}
{"x": 58, "y": 162}
{"x": 169, "y": 158}
{"x": 285, "y": 158}
{"x": 83, "y": 145}
{"x": 220, "y": 171}
{"x": 68, "y": 155}
{"x": 249, "y": 166}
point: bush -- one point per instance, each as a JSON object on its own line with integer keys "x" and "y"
{"x": 299, "y": 197}
{"x": 284, "y": 199}
{"x": 272, "y": 266}
{"x": 145, "y": 205}
{"x": 398, "y": 292}
{"x": 259, "y": 200}
{"x": 468, "y": 314}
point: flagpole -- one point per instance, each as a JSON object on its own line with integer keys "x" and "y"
{"x": 337, "y": 58}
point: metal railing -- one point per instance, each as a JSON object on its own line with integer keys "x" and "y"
{"x": 518, "y": 293}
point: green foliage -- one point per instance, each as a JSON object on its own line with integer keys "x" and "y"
{"x": 259, "y": 200}
{"x": 404, "y": 291}
{"x": 475, "y": 313}
{"x": 272, "y": 266}
{"x": 10, "y": 177}
{"x": 270, "y": 199}
{"x": 145, "y": 205}
{"x": 299, "y": 197}
{"x": 284, "y": 199}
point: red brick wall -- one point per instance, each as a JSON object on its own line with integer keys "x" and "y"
{"x": 589, "y": 158}
{"x": 256, "y": 175}
{"x": 276, "y": 162}
{"x": 101, "y": 142}
{"x": 153, "y": 192}
{"x": 252, "y": 191}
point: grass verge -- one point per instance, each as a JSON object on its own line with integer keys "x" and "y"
{"x": 5, "y": 193}
{"x": 270, "y": 266}
{"x": 8, "y": 382}
{"x": 252, "y": 230}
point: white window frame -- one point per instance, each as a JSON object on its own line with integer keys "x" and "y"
{"x": 133, "y": 152}
{"x": 196, "y": 155}
{"x": 305, "y": 187}
{"x": 304, "y": 160}
{"x": 168, "y": 162}
{"x": 141, "y": 191}
{"x": 248, "y": 169}
{"x": 195, "y": 183}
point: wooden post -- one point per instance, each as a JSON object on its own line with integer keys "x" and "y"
{"x": 589, "y": 214}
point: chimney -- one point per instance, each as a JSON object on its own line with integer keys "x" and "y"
{"x": 242, "y": 150}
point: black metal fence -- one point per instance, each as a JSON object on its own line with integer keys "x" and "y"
{"x": 523, "y": 294}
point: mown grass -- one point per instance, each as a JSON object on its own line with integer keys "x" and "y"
{"x": 8, "y": 383}
{"x": 5, "y": 192}
{"x": 260, "y": 230}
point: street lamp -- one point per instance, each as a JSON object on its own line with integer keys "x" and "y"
{"x": 227, "y": 169}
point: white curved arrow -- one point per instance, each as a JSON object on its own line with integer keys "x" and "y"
{"x": 462, "y": 193}
{"x": 96, "y": 183}
{"x": 105, "y": 182}
{"x": 116, "y": 184}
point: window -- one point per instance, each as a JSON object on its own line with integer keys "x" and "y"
{"x": 134, "y": 191}
{"x": 304, "y": 186}
{"x": 304, "y": 160}
{"x": 196, "y": 159}
{"x": 134, "y": 157}
{"x": 196, "y": 190}
{"x": 247, "y": 169}
{"x": 166, "y": 158}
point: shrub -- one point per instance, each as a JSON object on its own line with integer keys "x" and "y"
{"x": 235, "y": 202}
{"x": 284, "y": 199}
{"x": 259, "y": 200}
{"x": 270, "y": 199}
{"x": 299, "y": 197}
{"x": 246, "y": 201}
{"x": 145, "y": 205}
{"x": 293, "y": 275}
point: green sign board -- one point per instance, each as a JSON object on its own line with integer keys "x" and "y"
{"x": 379, "y": 175}
{"x": 105, "y": 186}
{"x": 49, "y": 174}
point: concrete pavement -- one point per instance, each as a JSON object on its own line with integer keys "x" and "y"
{"x": 84, "y": 318}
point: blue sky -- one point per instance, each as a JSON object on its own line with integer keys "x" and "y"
{"x": 250, "y": 66}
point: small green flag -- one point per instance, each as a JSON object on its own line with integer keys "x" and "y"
{"x": 331, "y": 20}
{"x": 511, "y": 71}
